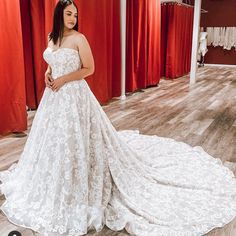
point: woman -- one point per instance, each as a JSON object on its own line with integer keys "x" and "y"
{"x": 78, "y": 173}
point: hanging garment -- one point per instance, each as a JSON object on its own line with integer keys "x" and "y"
{"x": 229, "y": 38}
{"x": 77, "y": 172}
{"x": 222, "y": 36}
{"x": 202, "y": 50}
{"x": 216, "y": 39}
{"x": 234, "y": 38}
{"x": 210, "y": 35}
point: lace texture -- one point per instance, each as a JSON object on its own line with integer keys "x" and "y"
{"x": 77, "y": 172}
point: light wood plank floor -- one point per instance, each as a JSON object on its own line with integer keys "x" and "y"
{"x": 203, "y": 114}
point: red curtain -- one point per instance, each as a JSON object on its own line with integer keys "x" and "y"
{"x": 99, "y": 21}
{"x": 48, "y": 16}
{"x": 12, "y": 78}
{"x": 37, "y": 10}
{"x": 31, "y": 31}
{"x": 143, "y": 44}
{"x": 176, "y": 40}
{"x": 36, "y": 18}
{"x": 153, "y": 42}
{"x": 30, "y": 85}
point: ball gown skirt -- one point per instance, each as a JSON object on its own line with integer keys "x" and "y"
{"x": 77, "y": 172}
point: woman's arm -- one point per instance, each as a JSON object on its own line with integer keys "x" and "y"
{"x": 86, "y": 57}
{"x": 48, "y": 77}
{"x": 49, "y": 70}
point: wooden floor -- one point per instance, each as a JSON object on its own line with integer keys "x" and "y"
{"x": 203, "y": 114}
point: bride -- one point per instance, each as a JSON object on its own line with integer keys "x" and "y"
{"x": 77, "y": 172}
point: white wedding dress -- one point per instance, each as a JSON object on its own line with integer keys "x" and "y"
{"x": 77, "y": 172}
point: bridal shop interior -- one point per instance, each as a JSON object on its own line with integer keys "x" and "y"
{"x": 165, "y": 68}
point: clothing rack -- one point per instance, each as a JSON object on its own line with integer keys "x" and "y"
{"x": 182, "y": 4}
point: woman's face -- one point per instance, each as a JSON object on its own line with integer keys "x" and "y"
{"x": 70, "y": 16}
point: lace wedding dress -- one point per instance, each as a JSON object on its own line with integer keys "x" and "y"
{"x": 77, "y": 172}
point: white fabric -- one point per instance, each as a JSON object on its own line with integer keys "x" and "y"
{"x": 210, "y": 35}
{"x": 202, "y": 50}
{"x": 77, "y": 172}
{"x": 222, "y": 36}
{"x": 227, "y": 38}
{"x": 216, "y": 33}
{"x": 234, "y": 38}
{"x": 230, "y": 39}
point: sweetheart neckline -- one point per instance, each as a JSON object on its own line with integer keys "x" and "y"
{"x": 63, "y": 48}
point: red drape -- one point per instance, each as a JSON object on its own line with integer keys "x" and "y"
{"x": 143, "y": 44}
{"x": 153, "y": 42}
{"x": 99, "y": 21}
{"x": 37, "y": 9}
{"x": 28, "y": 54}
{"x": 36, "y": 18}
{"x": 48, "y": 16}
{"x": 13, "y": 115}
{"x": 176, "y": 40}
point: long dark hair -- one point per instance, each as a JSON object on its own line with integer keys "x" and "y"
{"x": 58, "y": 20}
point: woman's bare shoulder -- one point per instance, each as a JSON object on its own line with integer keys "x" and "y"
{"x": 78, "y": 36}
{"x": 79, "y": 40}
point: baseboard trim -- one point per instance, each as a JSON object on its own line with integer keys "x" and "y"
{"x": 224, "y": 65}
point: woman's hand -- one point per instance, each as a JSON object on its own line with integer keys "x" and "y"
{"x": 58, "y": 83}
{"x": 48, "y": 79}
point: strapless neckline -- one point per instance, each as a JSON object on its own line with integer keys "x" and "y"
{"x": 62, "y": 60}
{"x": 72, "y": 49}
